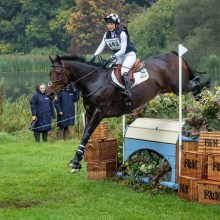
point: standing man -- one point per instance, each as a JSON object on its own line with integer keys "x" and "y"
{"x": 42, "y": 112}
{"x": 65, "y": 109}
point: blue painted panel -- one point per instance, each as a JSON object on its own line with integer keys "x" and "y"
{"x": 162, "y": 148}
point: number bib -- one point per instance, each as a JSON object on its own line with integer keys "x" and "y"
{"x": 113, "y": 43}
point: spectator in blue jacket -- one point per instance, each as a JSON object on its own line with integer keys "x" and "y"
{"x": 65, "y": 109}
{"x": 42, "y": 112}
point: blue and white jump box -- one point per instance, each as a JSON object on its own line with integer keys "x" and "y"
{"x": 159, "y": 135}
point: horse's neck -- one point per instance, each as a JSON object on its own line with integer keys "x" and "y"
{"x": 87, "y": 76}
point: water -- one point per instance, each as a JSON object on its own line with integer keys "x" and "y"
{"x": 22, "y": 83}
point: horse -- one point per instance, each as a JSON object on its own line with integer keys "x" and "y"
{"x": 102, "y": 98}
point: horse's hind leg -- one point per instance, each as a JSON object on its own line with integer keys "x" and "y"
{"x": 91, "y": 124}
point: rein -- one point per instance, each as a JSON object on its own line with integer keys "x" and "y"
{"x": 81, "y": 78}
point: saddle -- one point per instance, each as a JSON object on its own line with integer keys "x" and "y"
{"x": 136, "y": 67}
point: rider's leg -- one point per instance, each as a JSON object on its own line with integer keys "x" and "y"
{"x": 128, "y": 63}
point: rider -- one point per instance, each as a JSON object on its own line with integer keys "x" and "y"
{"x": 117, "y": 39}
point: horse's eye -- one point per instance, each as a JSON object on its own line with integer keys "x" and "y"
{"x": 49, "y": 83}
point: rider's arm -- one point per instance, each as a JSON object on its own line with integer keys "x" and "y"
{"x": 101, "y": 46}
{"x": 123, "y": 37}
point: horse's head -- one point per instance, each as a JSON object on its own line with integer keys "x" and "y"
{"x": 59, "y": 77}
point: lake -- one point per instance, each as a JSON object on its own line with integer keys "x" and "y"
{"x": 22, "y": 83}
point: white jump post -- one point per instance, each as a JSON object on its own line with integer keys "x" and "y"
{"x": 181, "y": 51}
{"x": 123, "y": 134}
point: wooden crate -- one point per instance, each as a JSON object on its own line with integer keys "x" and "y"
{"x": 209, "y": 192}
{"x": 209, "y": 142}
{"x": 194, "y": 164}
{"x": 101, "y": 132}
{"x": 214, "y": 167}
{"x": 101, "y": 170}
{"x": 188, "y": 188}
{"x": 101, "y": 150}
{"x": 186, "y": 146}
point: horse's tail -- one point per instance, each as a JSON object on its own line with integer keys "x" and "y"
{"x": 195, "y": 85}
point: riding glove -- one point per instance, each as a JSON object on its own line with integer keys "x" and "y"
{"x": 92, "y": 59}
{"x": 111, "y": 59}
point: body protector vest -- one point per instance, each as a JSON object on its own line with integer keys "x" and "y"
{"x": 114, "y": 42}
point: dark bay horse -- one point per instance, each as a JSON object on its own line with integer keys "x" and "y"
{"x": 103, "y": 99}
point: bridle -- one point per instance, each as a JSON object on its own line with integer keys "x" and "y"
{"x": 50, "y": 83}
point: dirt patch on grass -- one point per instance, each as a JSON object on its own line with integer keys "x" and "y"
{"x": 18, "y": 204}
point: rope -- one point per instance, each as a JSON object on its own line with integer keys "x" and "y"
{"x": 27, "y": 130}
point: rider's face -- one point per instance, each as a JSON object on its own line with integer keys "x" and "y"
{"x": 111, "y": 26}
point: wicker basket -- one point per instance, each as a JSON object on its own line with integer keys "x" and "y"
{"x": 101, "y": 150}
{"x": 101, "y": 132}
{"x": 188, "y": 188}
{"x": 194, "y": 164}
{"x": 209, "y": 192}
{"x": 214, "y": 167}
{"x": 209, "y": 142}
{"x": 101, "y": 170}
{"x": 186, "y": 146}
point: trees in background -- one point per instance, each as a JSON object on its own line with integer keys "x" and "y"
{"x": 86, "y": 25}
{"x": 29, "y": 26}
{"x": 196, "y": 24}
{"x": 25, "y": 25}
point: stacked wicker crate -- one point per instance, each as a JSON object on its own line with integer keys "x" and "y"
{"x": 101, "y": 154}
{"x": 200, "y": 170}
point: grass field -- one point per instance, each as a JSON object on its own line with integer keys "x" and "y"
{"x": 35, "y": 183}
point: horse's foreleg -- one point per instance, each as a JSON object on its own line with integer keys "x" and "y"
{"x": 91, "y": 124}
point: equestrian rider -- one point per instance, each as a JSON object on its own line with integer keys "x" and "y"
{"x": 117, "y": 39}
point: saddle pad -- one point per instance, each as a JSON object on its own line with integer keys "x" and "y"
{"x": 139, "y": 77}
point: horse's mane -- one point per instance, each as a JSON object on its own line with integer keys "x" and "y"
{"x": 82, "y": 59}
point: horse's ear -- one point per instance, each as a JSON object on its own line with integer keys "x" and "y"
{"x": 51, "y": 59}
{"x": 58, "y": 59}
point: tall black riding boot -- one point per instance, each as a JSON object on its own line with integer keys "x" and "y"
{"x": 127, "y": 83}
{"x": 37, "y": 136}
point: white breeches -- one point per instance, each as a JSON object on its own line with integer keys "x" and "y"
{"x": 127, "y": 61}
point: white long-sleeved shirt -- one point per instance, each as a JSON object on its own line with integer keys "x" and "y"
{"x": 123, "y": 41}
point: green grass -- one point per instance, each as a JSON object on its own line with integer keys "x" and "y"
{"x": 35, "y": 183}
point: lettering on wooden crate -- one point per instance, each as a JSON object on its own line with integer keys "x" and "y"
{"x": 183, "y": 188}
{"x": 208, "y": 194}
{"x": 216, "y": 166}
{"x": 211, "y": 142}
{"x": 192, "y": 164}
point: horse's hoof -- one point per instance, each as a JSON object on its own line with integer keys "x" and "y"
{"x": 74, "y": 170}
{"x": 70, "y": 164}
{"x": 75, "y": 167}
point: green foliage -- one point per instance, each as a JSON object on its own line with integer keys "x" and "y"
{"x": 25, "y": 63}
{"x": 211, "y": 65}
{"x": 203, "y": 115}
{"x": 162, "y": 106}
{"x": 28, "y": 24}
{"x": 146, "y": 164}
{"x": 2, "y": 95}
{"x": 45, "y": 51}
{"x": 87, "y": 25}
{"x": 151, "y": 29}
{"x": 15, "y": 115}
{"x": 5, "y": 48}
{"x": 196, "y": 24}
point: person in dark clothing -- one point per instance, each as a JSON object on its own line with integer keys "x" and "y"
{"x": 65, "y": 109}
{"x": 42, "y": 112}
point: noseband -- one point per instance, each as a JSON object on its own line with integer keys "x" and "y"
{"x": 50, "y": 83}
